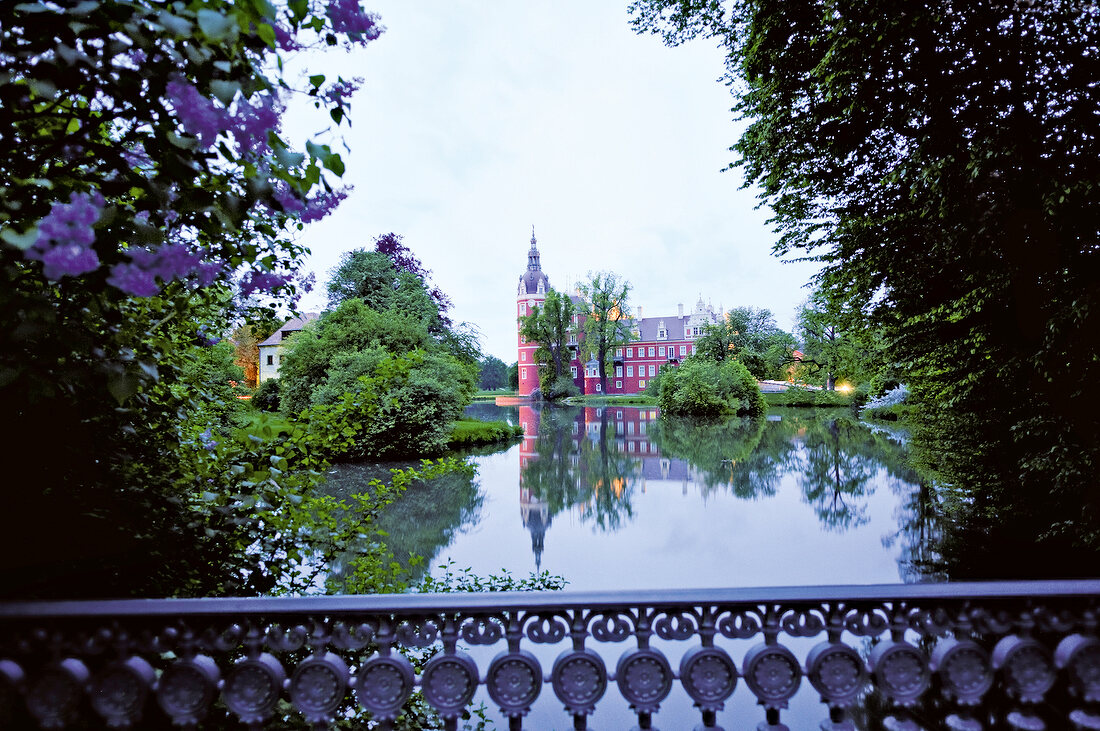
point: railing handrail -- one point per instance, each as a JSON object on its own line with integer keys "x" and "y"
{"x": 413, "y": 603}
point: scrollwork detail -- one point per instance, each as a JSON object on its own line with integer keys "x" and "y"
{"x": 675, "y": 625}
{"x": 481, "y": 630}
{"x": 611, "y": 626}
{"x": 738, "y": 624}
{"x": 802, "y": 622}
{"x": 418, "y": 633}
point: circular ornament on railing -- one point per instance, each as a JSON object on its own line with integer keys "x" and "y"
{"x": 611, "y": 627}
{"x": 837, "y": 672}
{"x": 675, "y": 626}
{"x": 481, "y": 630}
{"x": 546, "y": 629}
{"x": 187, "y": 688}
{"x": 964, "y": 670}
{"x": 772, "y": 674}
{"x": 449, "y": 682}
{"x": 120, "y": 689}
{"x": 417, "y": 633}
{"x": 11, "y": 679}
{"x": 645, "y": 679}
{"x": 383, "y": 684}
{"x": 514, "y": 681}
{"x": 579, "y": 678}
{"x": 900, "y": 671}
{"x": 1079, "y": 656}
{"x": 709, "y": 676}
{"x": 866, "y": 622}
{"x": 317, "y": 686}
{"x": 54, "y": 693}
{"x": 1026, "y": 666}
{"x": 252, "y": 688}
{"x": 802, "y": 622}
{"x": 738, "y": 625}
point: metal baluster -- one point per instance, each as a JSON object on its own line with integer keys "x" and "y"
{"x": 579, "y": 676}
{"x": 643, "y": 674}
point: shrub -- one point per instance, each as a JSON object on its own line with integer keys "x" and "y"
{"x": 562, "y": 387}
{"x": 889, "y": 406}
{"x": 704, "y": 387}
{"x": 266, "y": 397}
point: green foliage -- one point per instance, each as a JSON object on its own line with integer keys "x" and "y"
{"x": 550, "y": 326}
{"x": 464, "y": 580}
{"x": 608, "y": 321}
{"x": 266, "y": 397}
{"x": 941, "y": 164}
{"x": 560, "y": 388}
{"x": 703, "y": 387}
{"x": 513, "y": 377}
{"x": 472, "y": 432}
{"x": 750, "y": 335}
{"x": 492, "y": 373}
{"x": 370, "y": 276}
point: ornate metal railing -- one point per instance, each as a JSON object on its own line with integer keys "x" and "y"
{"x": 960, "y": 656}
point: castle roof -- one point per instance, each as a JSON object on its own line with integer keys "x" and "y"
{"x": 529, "y": 281}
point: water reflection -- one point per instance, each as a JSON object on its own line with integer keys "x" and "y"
{"x": 593, "y": 463}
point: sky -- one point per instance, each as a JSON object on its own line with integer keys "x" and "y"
{"x": 477, "y": 121}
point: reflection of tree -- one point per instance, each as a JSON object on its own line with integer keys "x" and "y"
{"x": 742, "y": 455}
{"x": 595, "y": 477}
{"x": 839, "y": 460}
{"x": 420, "y": 522}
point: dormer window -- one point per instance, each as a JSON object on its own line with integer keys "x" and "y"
{"x": 540, "y": 289}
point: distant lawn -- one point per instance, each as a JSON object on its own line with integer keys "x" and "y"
{"x": 490, "y": 395}
{"x": 795, "y": 396}
{"x": 637, "y": 399}
{"x": 467, "y": 432}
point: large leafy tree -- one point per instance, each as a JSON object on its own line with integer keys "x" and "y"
{"x": 751, "y": 335}
{"x": 141, "y": 169}
{"x": 608, "y": 322}
{"x": 550, "y": 327}
{"x": 942, "y": 163}
{"x": 492, "y": 373}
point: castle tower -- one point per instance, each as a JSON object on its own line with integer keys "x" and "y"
{"x": 533, "y": 286}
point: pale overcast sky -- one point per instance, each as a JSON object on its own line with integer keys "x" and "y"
{"x": 477, "y": 120}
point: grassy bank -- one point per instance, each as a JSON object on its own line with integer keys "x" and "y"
{"x": 625, "y": 400}
{"x": 469, "y": 432}
{"x": 808, "y": 397}
{"x": 490, "y": 395}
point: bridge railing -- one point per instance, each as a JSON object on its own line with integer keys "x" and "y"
{"x": 1021, "y": 655}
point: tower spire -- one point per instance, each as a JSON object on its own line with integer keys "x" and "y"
{"x": 533, "y": 255}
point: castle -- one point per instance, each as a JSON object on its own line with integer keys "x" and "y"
{"x": 656, "y": 340}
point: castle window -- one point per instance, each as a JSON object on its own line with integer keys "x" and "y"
{"x": 641, "y": 384}
{"x": 652, "y": 371}
{"x": 598, "y": 389}
{"x": 683, "y": 351}
{"x": 271, "y": 360}
{"x": 630, "y": 371}
{"x": 652, "y": 353}
{"x": 619, "y": 352}
{"x": 618, "y": 384}
{"x": 618, "y": 371}
{"x": 630, "y": 352}
{"x": 523, "y": 356}
{"x": 573, "y": 370}
{"x": 661, "y": 351}
{"x": 523, "y": 308}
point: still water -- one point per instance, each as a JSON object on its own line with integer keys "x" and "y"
{"x": 616, "y": 498}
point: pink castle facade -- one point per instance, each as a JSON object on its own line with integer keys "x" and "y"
{"x": 656, "y": 340}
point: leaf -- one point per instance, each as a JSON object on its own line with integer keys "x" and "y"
{"x": 122, "y": 386}
{"x": 317, "y": 80}
{"x": 22, "y": 241}
{"x": 266, "y": 33}
{"x": 217, "y": 27}
{"x": 175, "y": 24}
{"x": 225, "y": 90}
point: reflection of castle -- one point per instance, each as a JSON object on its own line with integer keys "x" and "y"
{"x": 623, "y": 432}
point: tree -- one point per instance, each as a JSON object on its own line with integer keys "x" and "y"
{"x": 142, "y": 169}
{"x": 941, "y": 163}
{"x": 608, "y": 322}
{"x": 550, "y": 327}
{"x": 513, "y": 376}
{"x": 703, "y": 387}
{"x": 492, "y": 373}
{"x": 750, "y": 335}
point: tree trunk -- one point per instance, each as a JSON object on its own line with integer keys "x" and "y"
{"x": 830, "y": 382}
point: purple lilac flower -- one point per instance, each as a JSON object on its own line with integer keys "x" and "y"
{"x": 133, "y": 280}
{"x": 137, "y": 157}
{"x": 323, "y": 204}
{"x": 286, "y": 198}
{"x": 285, "y": 40}
{"x": 208, "y": 272}
{"x": 252, "y": 122}
{"x": 262, "y": 281}
{"x": 65, "y": 237}
{"x": 200, "y": 116}
{"x": 338, "y": 92}
{"x": 348, "y": 16}
{"x": 204, "y": 338}
{"x": 207, "y": 440}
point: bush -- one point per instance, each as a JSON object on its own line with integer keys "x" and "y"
{"x": 266, "y": 397}
{"x": 703, "y": 387}
{"x": 562, "y": 387}
{"x": 468, "y": 432}
{"x": 889, "y": 406}
{"x": 797, "y": 396}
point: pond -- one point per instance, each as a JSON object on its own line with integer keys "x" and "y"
{"x": 617, "y": 498}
